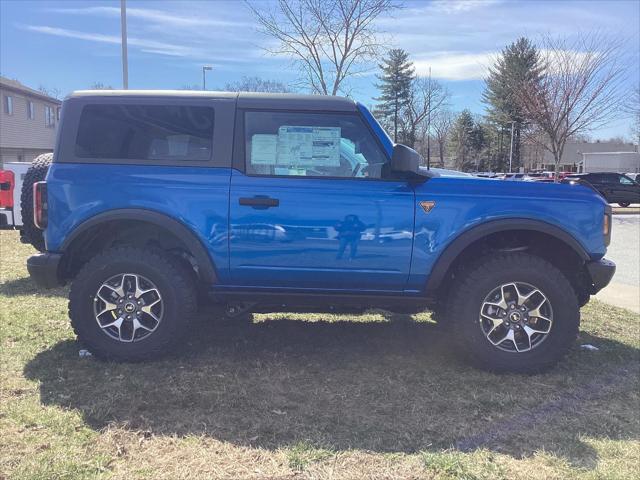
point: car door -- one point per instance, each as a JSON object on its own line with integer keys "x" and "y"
{"x": 312, "y": 207}
{"x": 626, "y": 190}
{"x": 601, "y": 182}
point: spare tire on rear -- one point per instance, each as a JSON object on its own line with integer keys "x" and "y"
{"x": 36, "y": 173}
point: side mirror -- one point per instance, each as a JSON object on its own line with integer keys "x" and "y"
{"x": 405, "y": 159}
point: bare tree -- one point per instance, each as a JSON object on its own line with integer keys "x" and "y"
{"x": 50, "y": 92}
{"x": 581, "y": 89}
{"x": 426, "y": 98}
{"x": 257, "y": 84}
{"x": 633, "y": 109}
{"x": 441, "y": 124}
{"x": 330, "y": 40}
{"x": 100, "y": 86}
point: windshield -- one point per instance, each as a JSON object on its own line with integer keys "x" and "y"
{"x": 380, "y": 132}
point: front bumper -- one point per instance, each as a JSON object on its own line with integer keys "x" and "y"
{"x": 601, "y": 273}
{"x": 43, "y": 269}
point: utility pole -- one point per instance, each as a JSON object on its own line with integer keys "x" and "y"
{"x": 429, "y": 124}
{"x": 204, "y": 80}
{"x": 511, "y": 147}
{"x": 123, "y": 29}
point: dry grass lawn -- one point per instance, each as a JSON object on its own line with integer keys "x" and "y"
{"x": 307, "y": 396}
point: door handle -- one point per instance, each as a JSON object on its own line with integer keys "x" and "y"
{"x": 259, "y": 202}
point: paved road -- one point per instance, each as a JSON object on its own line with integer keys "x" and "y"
{"x": 624, "y": 289}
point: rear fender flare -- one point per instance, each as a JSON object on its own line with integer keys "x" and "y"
{"x": 206, "y": 266}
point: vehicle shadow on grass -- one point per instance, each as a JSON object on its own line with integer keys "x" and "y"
{"x": 26, "y": 286}
{"x": 383, "y": 387}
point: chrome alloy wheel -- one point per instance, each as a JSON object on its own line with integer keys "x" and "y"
{"x": 128, "y": 307}
{"x": 516, "y": 317}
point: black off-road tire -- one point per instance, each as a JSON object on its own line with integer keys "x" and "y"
{"x": 624, "y": 204}
{"x": 36, "y": 173}
{"x": 173, "y": 281}
{"x": 485, "y": 275}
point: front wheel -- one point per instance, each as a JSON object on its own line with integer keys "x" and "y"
{"x": 513, "y": 312}
{"x": 130, "y": 304}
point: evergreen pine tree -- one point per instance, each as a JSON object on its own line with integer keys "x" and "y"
{"x": 517, "y": 63}
{"x": 463, "y": 139}
{"x": 395, "y": 88}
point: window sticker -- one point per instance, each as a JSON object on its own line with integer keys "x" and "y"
{"x": 264, "y": 149}
{"x": 300, "y": 146}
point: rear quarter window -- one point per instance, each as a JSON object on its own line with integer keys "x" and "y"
{"x": 163, "y": 133}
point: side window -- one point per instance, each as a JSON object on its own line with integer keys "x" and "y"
{"x": 8, "y": 105}
{"x": 48, "y": 116}
{"x": 145, "y": 132}
{"x": 311, "y": 144}
{"x": 625, "y": 181}
{"x": 610, "y": 179}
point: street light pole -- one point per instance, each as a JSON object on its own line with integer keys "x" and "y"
{"x": 429, "y": 124}
{"x": 123, "y": 29}
{"x": 511, "y": 147}
{"x": 204, "y": 80}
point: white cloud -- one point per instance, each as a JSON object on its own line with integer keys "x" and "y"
{"x": 177, "y": 49}
{"x": 165, "y": 18}
{"x": 454, "y": 65}
{"x": 145, "y": 45}
{"x": 456, "y": 6}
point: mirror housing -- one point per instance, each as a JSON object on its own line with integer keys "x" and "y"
{"x": 405, "y": 159}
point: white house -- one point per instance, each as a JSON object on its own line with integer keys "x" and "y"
{"x": 622, "y": 162}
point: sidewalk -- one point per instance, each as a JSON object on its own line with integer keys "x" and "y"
{"x": 621, "y": 295}
{"x": 624, "y": 289}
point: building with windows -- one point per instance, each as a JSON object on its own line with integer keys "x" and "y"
{"x": 535, "y": 157}
{"x": 28, "y": 122}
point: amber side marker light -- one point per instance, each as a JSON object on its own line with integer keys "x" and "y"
{"x": 427, "y": 206}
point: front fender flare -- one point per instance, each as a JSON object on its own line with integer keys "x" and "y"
{"x": 466, "y": 238}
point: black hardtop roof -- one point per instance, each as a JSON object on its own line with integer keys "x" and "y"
{"x": 284, "y": 101}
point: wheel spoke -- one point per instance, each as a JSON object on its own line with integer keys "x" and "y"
{"x": 493, "y": 316}
{"x": 502, "y": 303}
{"x": 505, "y": 337}
{"x": 117, "y": 290}
{"x": 522, "y": 299}
{"x": 135, "y": 283}
{"x": 536, "y": 311}
{"x": 137, "y": 324}
{"x": 511, "y": 336}
{"x": 147, "y": 309}
{"x": 116, "y": 323}
{"x": 493, "y": 329}
{"x": 109, "y": 305}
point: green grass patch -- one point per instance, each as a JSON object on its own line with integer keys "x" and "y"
{"x": 307, "y": 396}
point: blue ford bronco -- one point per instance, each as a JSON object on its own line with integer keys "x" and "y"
{"x": 156, "y": 203}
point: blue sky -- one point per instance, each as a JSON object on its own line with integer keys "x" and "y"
{"x": 70, "y": 45}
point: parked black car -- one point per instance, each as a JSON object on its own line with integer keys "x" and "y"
{"x": 614, "y": 187}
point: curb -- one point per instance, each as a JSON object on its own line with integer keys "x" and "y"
{"x": 626, "y": 210}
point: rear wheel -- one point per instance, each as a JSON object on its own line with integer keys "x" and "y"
{"x": 36, "y": 173}
{"x": 514, "y": 312}
{"x": 132, "y": 304}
